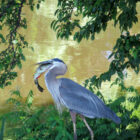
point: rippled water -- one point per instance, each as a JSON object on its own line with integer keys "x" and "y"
{"x": 84, "y": 60}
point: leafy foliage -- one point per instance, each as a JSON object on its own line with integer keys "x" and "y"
{"x": 2, "y": 129}
{"x": 126, "y": 52}
{"x": 11, "y": 20}
{"x": 27, "y": 122}
{"x": 99, "y": 13}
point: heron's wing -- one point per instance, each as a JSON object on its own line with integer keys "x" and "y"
{"x": 83, "y": 101}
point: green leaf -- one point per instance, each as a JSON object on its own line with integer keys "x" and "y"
{"x": 32, "y": 7}
{"x": 0, "y": 27}
{"x": 19, "y": 65}
{"x": 23, "y": 57}
{"x": 92, "y": 37}
{"x": 16, "y": 92}
{"x": 38, "y": 6}
{"x": 2, "y": 129}
{"x": 29, "y": 99}
{"x": 2, "y": 38}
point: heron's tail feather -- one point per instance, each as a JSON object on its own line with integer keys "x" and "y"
{"x": 102, "y": 111}
{"x": 111, "y": 115}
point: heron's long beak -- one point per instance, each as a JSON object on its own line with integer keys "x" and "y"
{"x": 37, "y": 75}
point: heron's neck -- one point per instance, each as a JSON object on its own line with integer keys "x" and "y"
{"x": 50, "y": 77}
{"x": 53, "y": 85}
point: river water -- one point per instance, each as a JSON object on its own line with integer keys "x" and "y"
{"x": 84, "y": 60}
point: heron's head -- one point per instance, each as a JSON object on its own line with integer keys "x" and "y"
{"x": 56, "y": 66}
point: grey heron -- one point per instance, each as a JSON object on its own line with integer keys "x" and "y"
{"x": 69, "y": 94}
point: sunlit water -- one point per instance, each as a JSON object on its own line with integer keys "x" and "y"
{"x": 84, "y": 60}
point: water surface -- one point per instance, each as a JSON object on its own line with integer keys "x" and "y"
{"x": 84, "y": 60}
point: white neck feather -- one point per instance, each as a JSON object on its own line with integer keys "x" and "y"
{"x": 53, "y": 83}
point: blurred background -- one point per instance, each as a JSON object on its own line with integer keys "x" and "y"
{"x": 84, "y": 59}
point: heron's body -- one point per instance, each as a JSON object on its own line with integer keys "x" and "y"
{"x": 73, "y": 96}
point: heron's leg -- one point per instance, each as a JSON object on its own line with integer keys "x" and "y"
{"x": 90, "y": 130}
{"x": 73, "y": 117}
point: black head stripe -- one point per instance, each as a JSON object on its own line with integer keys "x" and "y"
{"x": 43, "y": 63}
{"x": 58, "y": 60}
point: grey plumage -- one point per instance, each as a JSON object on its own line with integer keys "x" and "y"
{"x": 73, "y": 96}
{"x": 84, "y": 102}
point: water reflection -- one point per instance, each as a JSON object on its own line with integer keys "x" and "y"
{"x": 84, "y": 60}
